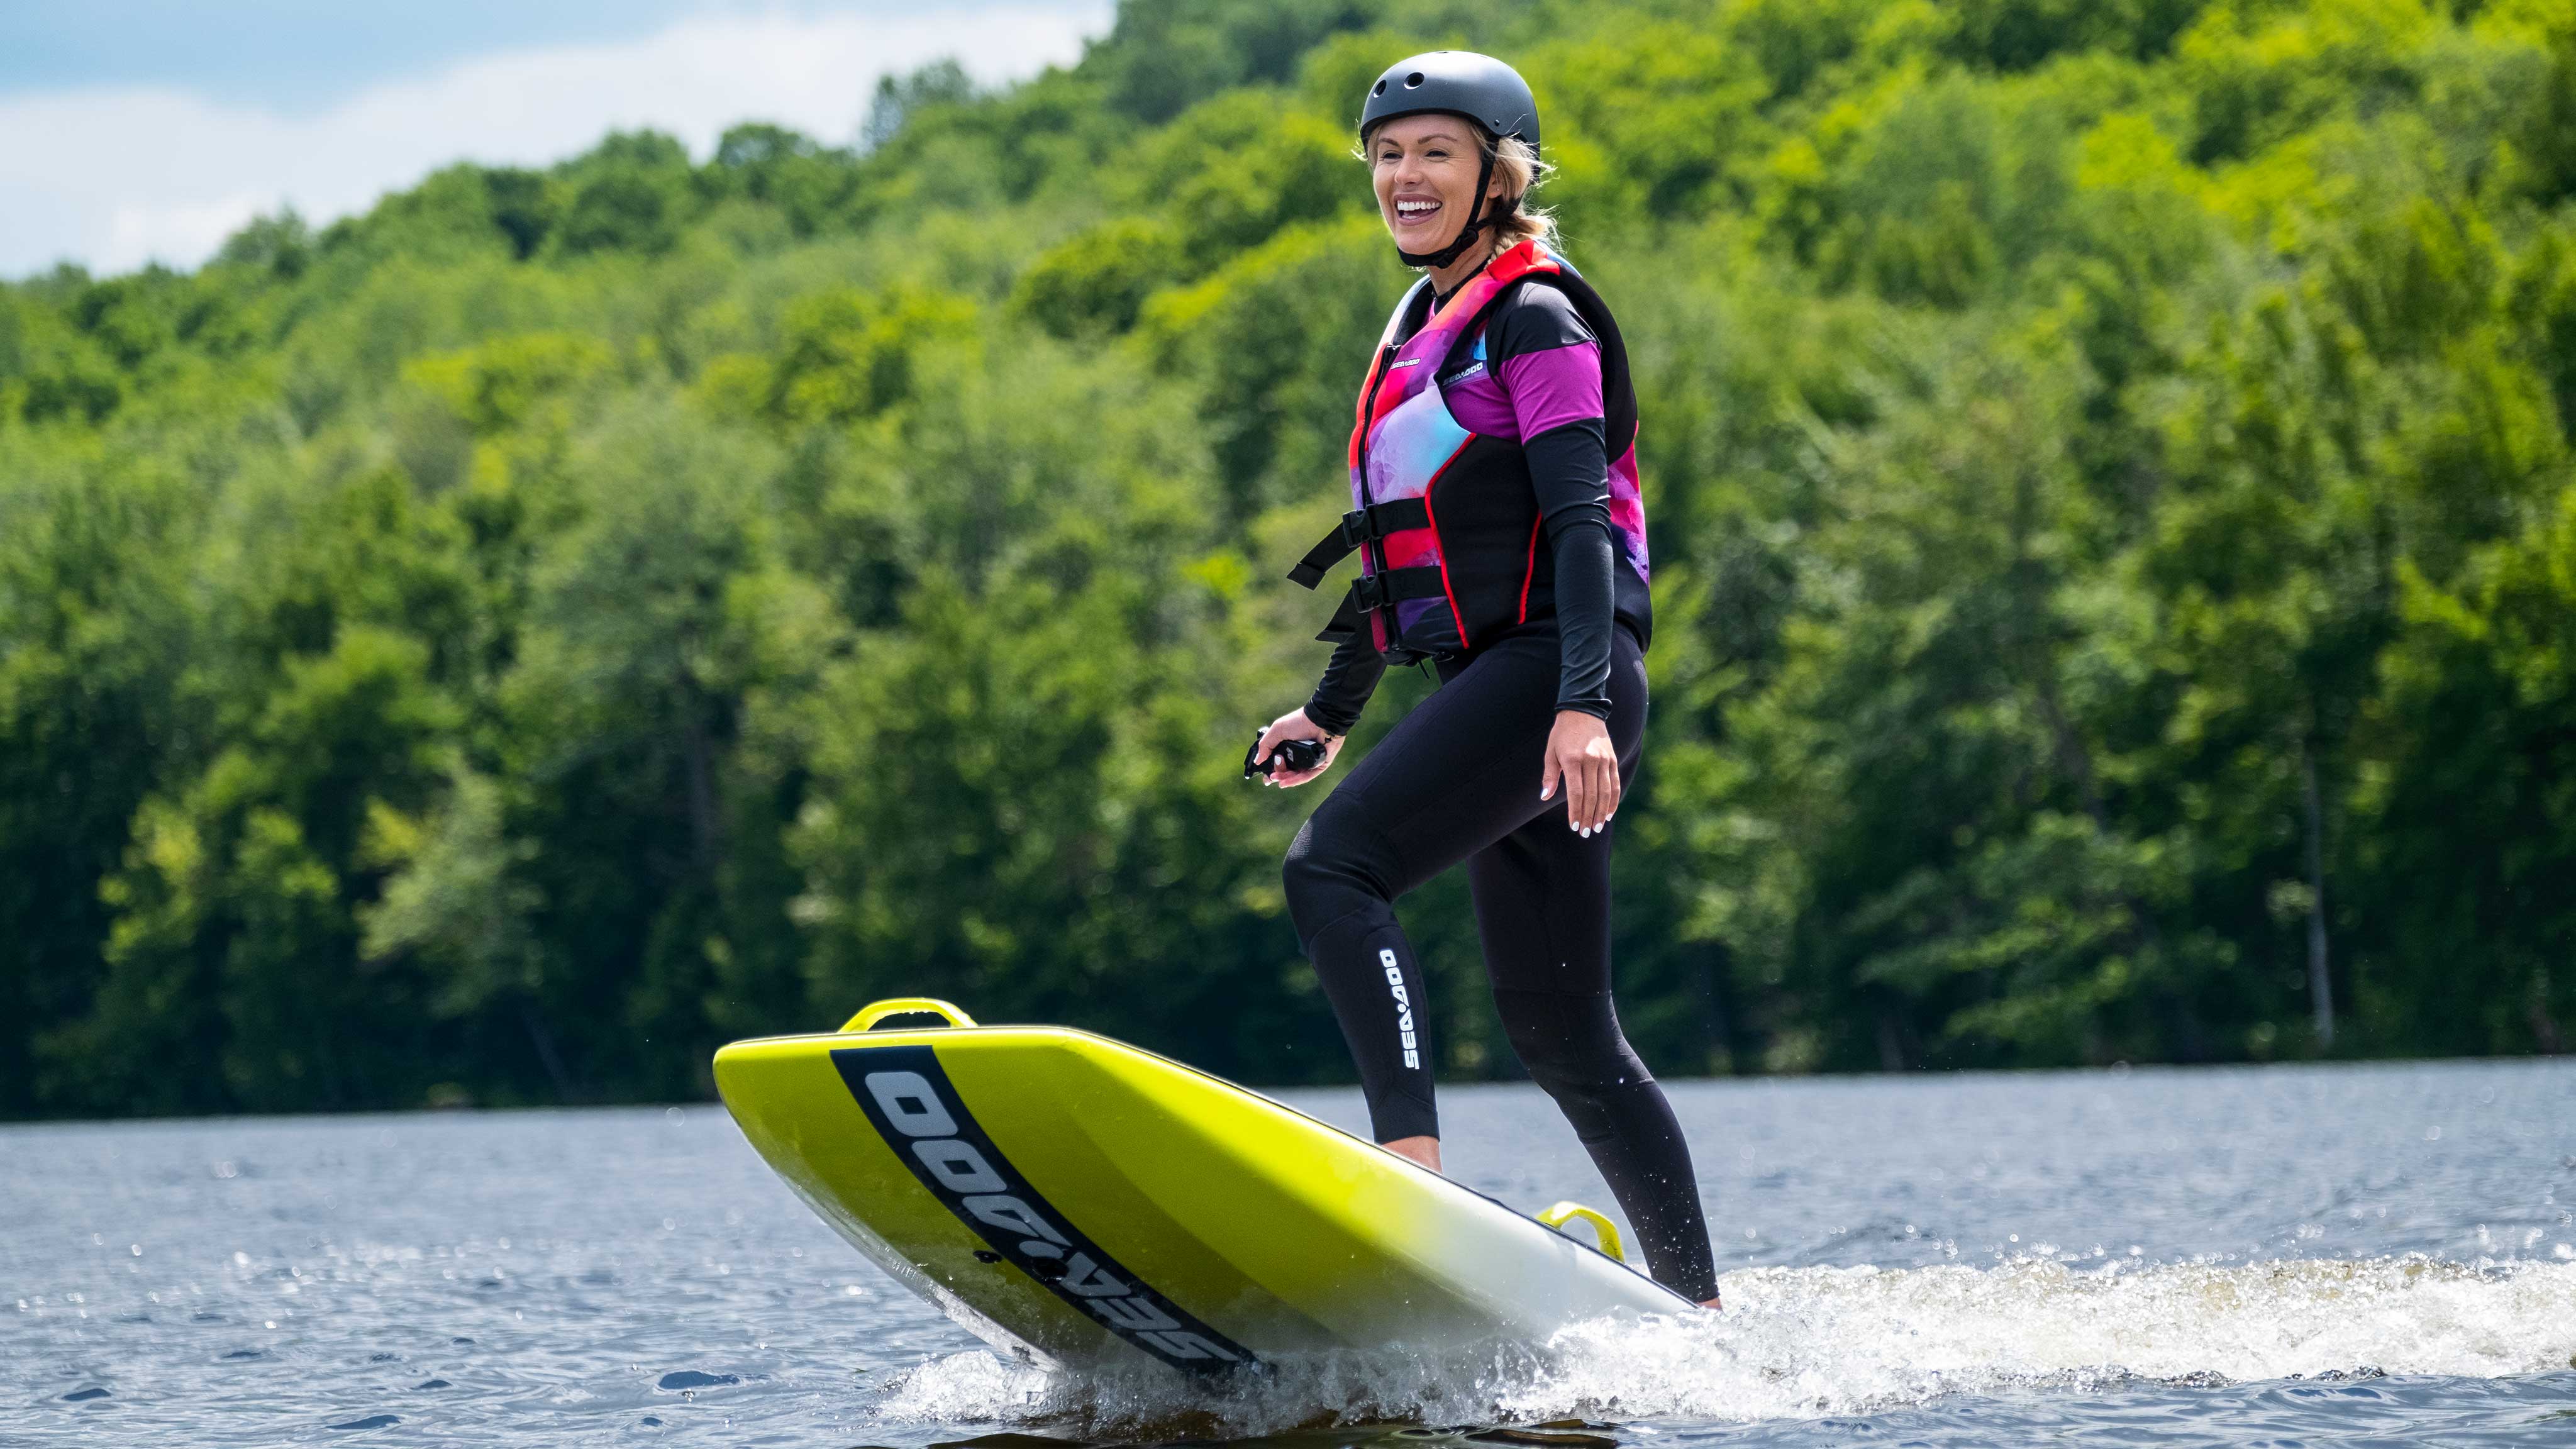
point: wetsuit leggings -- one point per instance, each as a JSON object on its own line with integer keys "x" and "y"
{"x": 1458, "y": 779}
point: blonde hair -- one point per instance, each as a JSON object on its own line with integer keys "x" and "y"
{"x": 1517, "y": 166}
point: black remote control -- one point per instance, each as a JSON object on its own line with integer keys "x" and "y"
{"x": 1293, "y": 756}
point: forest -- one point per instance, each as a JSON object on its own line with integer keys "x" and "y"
{"x": 2108, "y": 464}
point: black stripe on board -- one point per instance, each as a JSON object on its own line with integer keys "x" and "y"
{"x": 912, "y": 1104}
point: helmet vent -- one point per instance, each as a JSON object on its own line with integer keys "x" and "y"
{"x": 1485, "y": 95}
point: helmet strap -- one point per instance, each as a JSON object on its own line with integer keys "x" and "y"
{"x": 1477, "y": 221}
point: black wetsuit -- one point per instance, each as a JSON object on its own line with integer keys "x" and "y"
{"x": 1458, "y": 780}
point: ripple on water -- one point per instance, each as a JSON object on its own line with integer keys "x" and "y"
{"x": 694, "y": 1379}
{"x": 2220, "y": 1244}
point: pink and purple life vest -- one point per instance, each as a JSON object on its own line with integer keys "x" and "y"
{"x": 1444, "y": 518}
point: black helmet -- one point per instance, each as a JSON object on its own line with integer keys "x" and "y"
{"x": 1461, "y": 82}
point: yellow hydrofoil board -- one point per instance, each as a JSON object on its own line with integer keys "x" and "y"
{"x": 1073, "y": 1200}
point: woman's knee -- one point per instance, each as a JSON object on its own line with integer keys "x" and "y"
{"x": 1571, "y": 1044}
{"x": 1323, "y": 879}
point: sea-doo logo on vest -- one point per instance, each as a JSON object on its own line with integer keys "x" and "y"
{"x": 911, "y": 1103}
{"x": 1403, "y": 1007}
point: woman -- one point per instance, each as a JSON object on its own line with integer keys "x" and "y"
{"x": 1500, "y": 536}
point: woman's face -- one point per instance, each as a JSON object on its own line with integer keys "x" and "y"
{"x": 1424, "y": 168}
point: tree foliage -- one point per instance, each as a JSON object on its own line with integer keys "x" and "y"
{"x": 2109, "y": 467}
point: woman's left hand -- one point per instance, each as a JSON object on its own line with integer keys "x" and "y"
{"x": 1580, "y": 757}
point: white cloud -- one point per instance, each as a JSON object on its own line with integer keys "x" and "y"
{"x": 113, "y": 178}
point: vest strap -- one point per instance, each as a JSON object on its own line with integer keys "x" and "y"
{"x": 1371, "y": 592}
{"x": 1384, "y": 590}
{"x": 1344, "y": 623}
{"x": 1357, "y": 527}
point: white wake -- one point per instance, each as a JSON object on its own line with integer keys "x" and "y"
{"x": 1813, "y": 1341}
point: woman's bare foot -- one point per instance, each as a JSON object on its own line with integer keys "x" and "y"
{"x": 1713, "y": 1306}
{"x": 1425, "y": 1150}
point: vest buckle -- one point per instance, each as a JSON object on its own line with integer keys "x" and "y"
{"x": 1358, "y": 527}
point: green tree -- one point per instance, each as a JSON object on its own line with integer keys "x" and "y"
{"x": 2110, "y": 479}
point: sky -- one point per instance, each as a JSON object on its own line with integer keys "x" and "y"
{"x": 134, "y": 131}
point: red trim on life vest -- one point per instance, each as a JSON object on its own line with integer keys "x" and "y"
{"x": 1440, "y": 552}
{"x": 1366, "y": 410}
{"x": 1504, "y": 270}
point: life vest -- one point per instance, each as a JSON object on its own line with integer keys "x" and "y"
{"x": 1445, "y": 520}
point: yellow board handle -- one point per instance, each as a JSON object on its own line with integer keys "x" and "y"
{"x": 877, "y": 1011}
{"x": 1561, "y": 1214}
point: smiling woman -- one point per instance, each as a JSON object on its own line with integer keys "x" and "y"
{"x": 1498, "y": 410}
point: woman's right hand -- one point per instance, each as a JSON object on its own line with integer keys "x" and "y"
{"x": 1295, "y": 726}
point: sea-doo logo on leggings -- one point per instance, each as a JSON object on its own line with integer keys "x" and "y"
{"x": 910, "y": 1101}
{"x": 1403, "y": 1007}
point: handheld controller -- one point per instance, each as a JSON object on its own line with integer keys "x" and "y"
{"x": 1294, "y": 756}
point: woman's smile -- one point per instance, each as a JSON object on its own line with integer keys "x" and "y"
{"x": 1413, "y": 213}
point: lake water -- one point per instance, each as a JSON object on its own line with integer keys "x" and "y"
{"x": 2344, "y": 1255}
